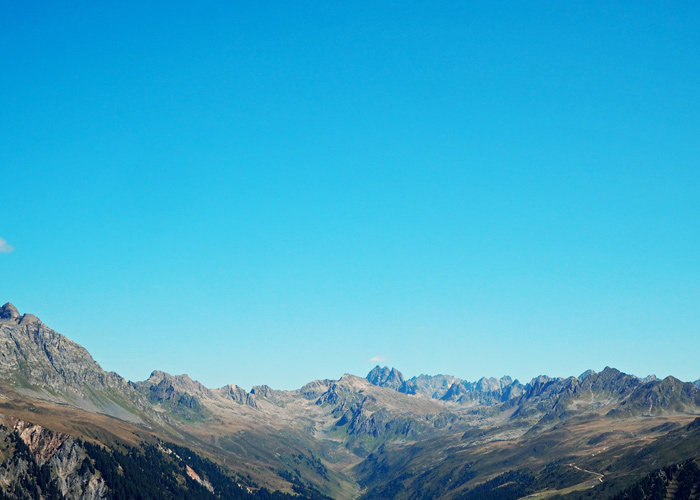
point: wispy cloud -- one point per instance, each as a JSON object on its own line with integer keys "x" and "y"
{"x": 5, "y": 247}
{"x": 377, "y": 359}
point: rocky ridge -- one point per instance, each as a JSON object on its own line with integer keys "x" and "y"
{"x": 45, "y": 364}
{"x": 313, "y": 436}
{"x": 485, "y": 391}
{"x": 546, "y": 397}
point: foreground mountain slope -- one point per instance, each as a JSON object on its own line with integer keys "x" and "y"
{"x": 594, "y": 455}
{"x": 42, "y": 363}
{"x": 40, "y": 463}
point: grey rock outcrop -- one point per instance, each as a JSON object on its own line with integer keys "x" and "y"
{"x": 385, "y": 377}
{"x": 35, "y": 358}
{"x": 41, "y": 356}
{"x": 8, "y": 312}
{"x": 660, "y": 397}
{"x": 178, "y": 393}
{"x": 160, "y": 383}
{"x": 268, "y": 393}
{"x": 431, "y": 386}
{"x": 238, "y": 394}
{"x": 486, "y": 391}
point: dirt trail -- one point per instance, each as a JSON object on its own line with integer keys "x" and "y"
{"x": 600, "y": 476}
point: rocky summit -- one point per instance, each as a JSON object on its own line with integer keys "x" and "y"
{"x": 68, "y": 429}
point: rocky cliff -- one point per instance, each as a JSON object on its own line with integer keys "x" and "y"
{"x": 44, "y": 463}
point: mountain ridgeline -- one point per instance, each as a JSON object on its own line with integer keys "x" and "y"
{"x": 68, "y": 429}
{"x": 486, "y": 391}
{"x": 626, "y": 394}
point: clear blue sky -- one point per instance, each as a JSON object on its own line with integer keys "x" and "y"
{"x": 275, "y": 192}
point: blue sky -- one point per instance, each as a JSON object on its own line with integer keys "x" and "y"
{"x": 276, "y": 192}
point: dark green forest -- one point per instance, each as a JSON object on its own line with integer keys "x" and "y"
{"x": 144, "y": 472}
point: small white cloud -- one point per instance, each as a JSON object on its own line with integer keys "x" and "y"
{"x": 5, "y": 247}
{"x": 377, "y": 359}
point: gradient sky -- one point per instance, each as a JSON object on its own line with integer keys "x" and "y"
{"x": 276, "y": 192}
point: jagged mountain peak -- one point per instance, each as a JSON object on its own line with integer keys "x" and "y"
{"x": 542, "y": 379}
{"x": 237, "y": 394}
{"x": 40, "y": 353}
{"x": 386, "y": 377}
{"x": 158, "y": 375}
{"x": 485, "y": 391}
{"x": 40, "y": 362}
{"x": 9, "y": 312}
{"x": 431, "y": 386}
{"x": 667, "y": 396}
{"x": 182, "y": 382}
{"x": 611, "y": 371}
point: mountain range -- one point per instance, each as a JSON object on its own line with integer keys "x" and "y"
{"x": 69, "y": 429}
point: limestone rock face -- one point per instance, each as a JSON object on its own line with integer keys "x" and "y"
{"x": 42, "y": 443}
{"x": 64, "y": 457}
